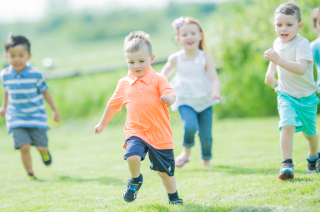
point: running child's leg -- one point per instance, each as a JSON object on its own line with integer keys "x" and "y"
{"x": 136, "y": 151}
{"x": 286, "y": 145}
{"x": 312, "y": 144}
{"x": 205, "y": 134}
{"x": 26, "y": 157}
{"x": 313, "y": 159}
{"x": 134, "y": 163}
{"x": 286, "y": 141}
{"x": 169, "y": 183}
{"x": 191, "y": 126}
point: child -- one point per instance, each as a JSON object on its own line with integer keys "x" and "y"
{"x": 197, "y": 86}
{"x": 146, "y": 95}
{"x": 292, "y": 58}
{"x": 23, "y": 105}
{"x": 315, "y": 45}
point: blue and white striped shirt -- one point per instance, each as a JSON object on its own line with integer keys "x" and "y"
{"x": 25, "y": 101}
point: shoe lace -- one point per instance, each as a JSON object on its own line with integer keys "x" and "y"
{"x": 45, "y": 155}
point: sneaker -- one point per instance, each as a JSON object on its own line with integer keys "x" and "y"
{"x": 176, "y": 202}
{"x": 313, "y": 167}
{"x": 130, "y": 193}
{"x": 46, "y": 157}
{"x": 286, "y": 171}
{"x": 31, "y": 176}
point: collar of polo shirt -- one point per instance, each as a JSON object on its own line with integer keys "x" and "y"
{"x": 146, "y": 78}
{"x": 24, "y": 72}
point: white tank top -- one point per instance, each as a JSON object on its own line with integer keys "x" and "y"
{"x": 192, "y": 84}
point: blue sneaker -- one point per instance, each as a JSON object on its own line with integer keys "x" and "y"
{"x": 286, "y": 171}
{"x": 313, "y": 167}
{"x": 176, "y": 202}
{"x": 130, "y": 193}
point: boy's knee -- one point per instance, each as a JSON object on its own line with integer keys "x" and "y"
{"x": 133, "y": 159}
{"x": 163, "y": 174}
{"x": 25, "y": 148}
{"x": 288, "y": 129}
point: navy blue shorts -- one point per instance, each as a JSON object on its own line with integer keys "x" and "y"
{"x": 161, "y": 160}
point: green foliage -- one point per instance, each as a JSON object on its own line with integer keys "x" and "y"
{"x": 240, "y": 32}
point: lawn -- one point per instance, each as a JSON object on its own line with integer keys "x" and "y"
{"x": 89, "y": 173}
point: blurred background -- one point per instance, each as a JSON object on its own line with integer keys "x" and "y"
{"x": 78, "y": 45}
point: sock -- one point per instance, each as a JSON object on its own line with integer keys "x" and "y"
{"x": 287, "y": 161}
{"x": 312, "y": 158}
{"x": 173, "y": 196}
{"x": 31, "y": 174}
{"x": 138, "y": 179}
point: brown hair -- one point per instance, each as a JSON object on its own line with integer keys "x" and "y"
{"x": 135, "y": 40}
{"x": 289, "y": 8}
{"x": 189, "y": 20}
{"x": 315, "y": 14}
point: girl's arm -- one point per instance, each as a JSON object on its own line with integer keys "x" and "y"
{"x": 215, "y": 82}
{"x": 299, "y": 67}
{"x": 270, "y": 79}
{"x": 170, "y": 66}
{"x": 49, "y": 99}
{"x": 4, "y": 105}
{"x": 107, "y": 115}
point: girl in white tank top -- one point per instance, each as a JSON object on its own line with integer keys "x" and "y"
{"x": 197, "y": 87}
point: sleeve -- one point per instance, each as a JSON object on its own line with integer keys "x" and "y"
{"x": 116, "y": 101}
{"x": 164, "y": 86}
{"x": 1, "y": 79}
{"x": 303, "y": 51}
{"x": 42, "y": 84}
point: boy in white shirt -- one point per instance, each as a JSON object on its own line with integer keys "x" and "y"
{"x": 292, "y": 58}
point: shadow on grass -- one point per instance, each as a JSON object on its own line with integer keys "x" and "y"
{"x": 234, "y": 170}
{"x": 103, "y": 180}
{"x": 195, "y": 207}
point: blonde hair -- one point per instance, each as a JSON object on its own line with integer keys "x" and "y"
{"x": 136, "y": 40}
{"x": 315, "y": 14}
{"x": 289, "y": 8}
{"x": 190, "y": 20}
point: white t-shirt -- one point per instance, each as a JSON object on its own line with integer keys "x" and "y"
{"x": 293, "y": 84}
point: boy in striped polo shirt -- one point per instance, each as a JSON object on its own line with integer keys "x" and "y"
{"x": 22, "y": 106}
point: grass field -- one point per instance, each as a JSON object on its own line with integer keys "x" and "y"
{"x": 89, "y": 173}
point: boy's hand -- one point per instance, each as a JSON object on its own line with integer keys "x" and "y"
{"x": 56, "y": 116}
{"x": 272, "y": 55}
{"x": 98, "y": 129}
{"x": 167, "y": 99}
{"x": 271, "y": 81}
{"x": 3, "y": 111}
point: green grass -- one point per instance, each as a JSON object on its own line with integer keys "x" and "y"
{"x": 89, "y": 173}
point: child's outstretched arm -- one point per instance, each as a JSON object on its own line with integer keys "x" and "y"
{"x": 107, "y": 115}
{"x": 169, "y": 67}
{"x": 299, "y": 67}
{"x": 270, "y": 80}
{"x": 4, "y": 105}
{"x": 49, "y": 99}
{"x": 215, "y": 82}
{"x": 168, "y": 99}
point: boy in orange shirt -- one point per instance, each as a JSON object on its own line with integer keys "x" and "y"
{"x": 146, "y": 95}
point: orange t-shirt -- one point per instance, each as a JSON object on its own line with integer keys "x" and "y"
{"x": 147, "y": 117}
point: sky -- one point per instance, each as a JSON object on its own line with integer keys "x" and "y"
{"x": 32, "y": 10}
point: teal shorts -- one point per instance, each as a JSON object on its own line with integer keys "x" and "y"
{"x": 300, "y": 113}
